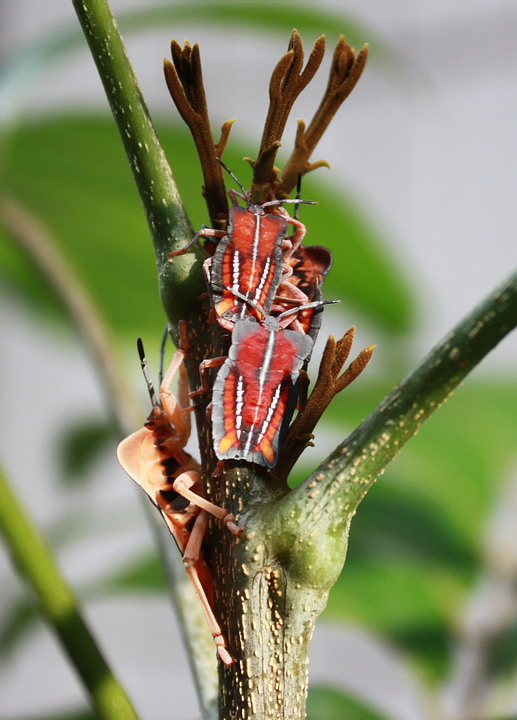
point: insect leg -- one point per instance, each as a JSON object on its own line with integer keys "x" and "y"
{"x": 190, "y": 557}
{"x": 203, "y": 366}
{"x": 177, "y": 412}
{"x": 182, "y": 486}
{"x": 204, "y": 232}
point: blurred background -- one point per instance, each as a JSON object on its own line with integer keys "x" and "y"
{"x": 418, "y": 209}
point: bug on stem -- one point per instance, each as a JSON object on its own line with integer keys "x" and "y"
{"x": 155, "y": 458}
{"x": 250, "y": 257}
{"x": 254, "y": 393}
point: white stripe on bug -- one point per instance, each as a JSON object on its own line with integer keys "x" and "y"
{"x": 236, "y": 270}
{"x": 263, "y": 278}
{"x": 268, "y": 355}
{"x": 238, "y": 405}
{"x": 272, "y": 408}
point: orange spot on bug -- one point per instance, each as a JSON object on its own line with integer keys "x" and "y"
{"x": 227, "y": 441}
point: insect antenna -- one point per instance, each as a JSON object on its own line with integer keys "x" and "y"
{"x": 314, "y": 304}
{"x": 145, "y": 370}
{"x": 298, "y": 195}
{"x": 233, "y": 176}
{"x": 289, "y": 200}
{"x": 162, "y": 353}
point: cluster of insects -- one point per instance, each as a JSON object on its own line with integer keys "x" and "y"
{"x": 265, "y": 289}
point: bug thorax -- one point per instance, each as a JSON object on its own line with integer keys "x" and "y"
{"x": 271, "y": 323}
{"x": 255, "y": 209}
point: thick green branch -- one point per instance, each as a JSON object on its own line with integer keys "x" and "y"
{"x": 330, "y": 496}
{"x": 166, "y": 216}
{"x": 35, "y": 563}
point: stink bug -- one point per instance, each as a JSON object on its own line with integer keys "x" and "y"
{"x": 310, "y": 266}
{"x": 155, "y": 458}
{"x": 250, "y": 256}
{"x": 252, "y": 398}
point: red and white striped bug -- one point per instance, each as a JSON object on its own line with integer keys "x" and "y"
{"x": 251, "y": 257}
{"x": 254, "y": 393}
{"x": 155, "y": 458}
{"x": 310, "y": 266}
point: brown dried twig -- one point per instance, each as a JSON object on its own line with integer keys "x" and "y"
{"x": 345, "y": 71}
{"x": 185, "y": 82}
{"x": 287, "y": 82}
{"x": 328, "y": 385}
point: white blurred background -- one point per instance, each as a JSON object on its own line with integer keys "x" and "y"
{"x": 432, "y": 150}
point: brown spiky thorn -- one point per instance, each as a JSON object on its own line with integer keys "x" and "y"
{"x": 287, "y": 82}
{"x": 345, "y": 71}
{"x": 185, "y": 82}
{"x": 328, "y": 385}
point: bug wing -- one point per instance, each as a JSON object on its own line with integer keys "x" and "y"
{"x": 138, "y": 456}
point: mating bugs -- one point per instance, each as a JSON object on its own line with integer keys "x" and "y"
{"x": 251, "y": 256}
{"x": 155, "y": 458}
{"x": 254, "y": 391}
{"x": 310, "y": 266}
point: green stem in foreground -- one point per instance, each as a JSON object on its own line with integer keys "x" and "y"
{"x": 166, "y": 216}
{"x": 180, "y": 281}
{"x": 57, "y": 602}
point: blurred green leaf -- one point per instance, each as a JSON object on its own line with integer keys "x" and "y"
{"x": 71, "y": 172}
{"x": 143, "y": 574}
{"x": 80, "y": 445}
{"x": 416, "y": 538}
{"x": 16, "y": 622}
{"x": 505, "y": 652}
{"x": 330, "y": 703}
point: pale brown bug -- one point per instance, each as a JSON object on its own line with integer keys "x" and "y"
{"x": 155, "y": 458}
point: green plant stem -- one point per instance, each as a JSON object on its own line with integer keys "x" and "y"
{"x": 330, "y": 496}
{"x": 57, "y": 602}
{"x": 35, "y": 239}
{"x": 166, "y": 216}
{"x": 179, "y": 281}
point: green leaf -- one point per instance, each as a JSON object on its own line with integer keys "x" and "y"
{"x": 71, "y": 172}
{"x": 145, "y": 574}
{"x": 80, "y": 445}
{"x": 415, "y": 542}
{"x": 330, "y": 703}
{"x": 17, "y": 621}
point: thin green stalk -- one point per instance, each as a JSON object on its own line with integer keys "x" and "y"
{"x": 330, "y": 496}
{"x": 34, "y": 560}
{"x": 180, "y": 282}
{"x": 166, "y": 216}
{"x": 35, "y": 239}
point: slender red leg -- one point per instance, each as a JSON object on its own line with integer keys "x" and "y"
{"x": 203, "y": 366}
{"x": 190, "y": 557}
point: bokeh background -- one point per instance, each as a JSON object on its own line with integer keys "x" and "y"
{"x": 419, "y": 211}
